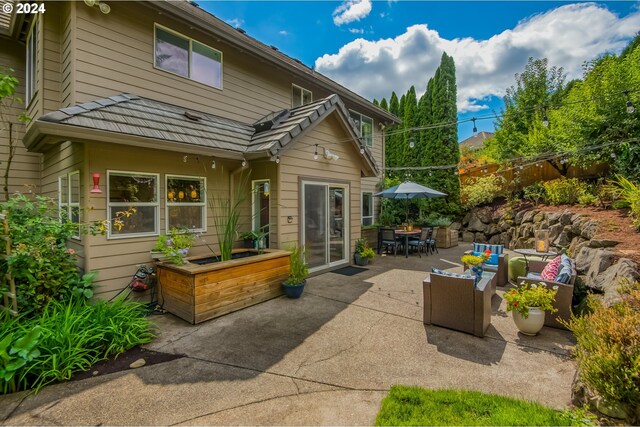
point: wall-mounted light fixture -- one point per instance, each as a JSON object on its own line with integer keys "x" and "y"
{"x": 104, "y": 8}
{"x": 96, "y": 183}
{"x": 329, "y": 155}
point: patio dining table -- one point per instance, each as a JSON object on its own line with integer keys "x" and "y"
{"x": 406, "y": 234}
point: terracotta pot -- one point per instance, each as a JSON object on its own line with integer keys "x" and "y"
{"x": 532, "y": 324}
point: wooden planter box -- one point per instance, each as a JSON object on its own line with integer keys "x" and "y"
{"x": 371, "y": 236}
{"x": 197, "y": 293}
{"x": 446, "y": 238}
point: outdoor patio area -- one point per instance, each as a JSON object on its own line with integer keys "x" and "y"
{"x": 327, "y": 358}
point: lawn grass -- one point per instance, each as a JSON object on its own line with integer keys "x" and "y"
{"x": 412, "y": 406}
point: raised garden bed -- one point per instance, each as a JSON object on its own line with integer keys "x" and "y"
{"x": 198, "y": 291}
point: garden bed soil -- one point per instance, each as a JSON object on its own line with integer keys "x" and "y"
{"x": 122, "y": 362}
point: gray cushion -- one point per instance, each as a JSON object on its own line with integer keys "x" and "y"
{"x": 449, "y": 274}
{"x": 535, "y": 276}
{"x": 566, "y": 270}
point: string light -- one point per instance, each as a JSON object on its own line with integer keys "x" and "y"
{"x": 630, "y": 107}
{"x": 244, "y": 162}
{"x": 184, "y": 159}
{"x": 475, "y": 129}
{"x": 213, "y": 163}
{"x": 412, "y": 142}
{"x": 315, "y": 154}
{"x": 277, "y": 159}
{"x": 362, "y": 149}
{"x": 545, "y": 119}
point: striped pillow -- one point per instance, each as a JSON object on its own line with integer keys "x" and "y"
{"x": 550, "y": 271}
{"x": 495, "y": 249}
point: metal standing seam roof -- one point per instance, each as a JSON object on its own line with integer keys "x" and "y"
{"x": 134, "y": 115}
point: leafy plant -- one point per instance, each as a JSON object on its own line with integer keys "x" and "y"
{"x": 470, "y": 259}
{"x": 531, "y": 295}
{"x": 175, "y": 245}
{"x": 482, "y": 190}
{"x": 629, "y": 193}
{"x": 298, "y": 268}
{"x": 226, "y": 215}
{"x": 535, "y": 192}
{"x": 608, "y": 348}
{"x": 565, "y": 191}
{"x": 362, "y": 248}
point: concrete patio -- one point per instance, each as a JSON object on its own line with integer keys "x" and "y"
{"x": 327, "y": 358}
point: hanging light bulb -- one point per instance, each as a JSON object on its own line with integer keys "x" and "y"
{"x": 315, "y": 154}
{"x": 630, "y": 108}
{"x": 244, "y": 162}
{"x": 105, "y": 8}
{"x": 475, "y": 129}
{"x": 613, "y": 155}
{"x": 361, "y": 149}
{"x": 412, "y": 142}
{"x": 213, "y": 164}
{"x": 265, "y": 189}
{"x": 184, "y": 159}
{"x": 545, "y": 120}
{"x": 277, "y": 159}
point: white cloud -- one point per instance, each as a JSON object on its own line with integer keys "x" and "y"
{"x": 283, "y": 33}
{"x": 351, "y": 10}
{"x": 567, "y": 35}
{"x": 356, "y": 30}
{"x": 235, "y": 22}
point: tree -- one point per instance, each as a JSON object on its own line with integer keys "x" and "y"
{"x": 384, "y": 105}
{"x": 8, "y": 101}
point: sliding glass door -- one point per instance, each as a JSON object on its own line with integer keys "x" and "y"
{"x": 325, "y": 223}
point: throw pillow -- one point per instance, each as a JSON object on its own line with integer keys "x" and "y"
{"x": 550, "y": 271}
{"x": 566, "y": 270}
{"x": 450, "y": 274}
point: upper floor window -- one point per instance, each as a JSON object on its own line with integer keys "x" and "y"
{"x": 31, "y": 66}
{"x": 364, "y": 124}
{"x": 300, "y": 96}
{"x": 186, "y": 57}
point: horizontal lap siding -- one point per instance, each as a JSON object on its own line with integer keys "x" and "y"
{"x": 298, "y": 162}
{"x": 114, "y": 54}
{"x": 51, "y": 58}
{"x": 24, "y": 174}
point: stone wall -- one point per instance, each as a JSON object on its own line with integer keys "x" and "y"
{"x": 600, "y": 268}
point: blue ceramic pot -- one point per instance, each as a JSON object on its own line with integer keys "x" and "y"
{"x": 477, "y": 271}
{"x": 293, "y": 291}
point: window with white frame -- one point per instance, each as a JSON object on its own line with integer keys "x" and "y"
{"x": 364, "y": 125}
{"x": 31, "y": 65}
{"x": 186, "y": 57}
{"x": 300, "y": 96}
{"x": 126, "y": 190}
{"x": 69, "y": 199}
{"x": 186, "y": 202}
{"x": 367, "y": 208}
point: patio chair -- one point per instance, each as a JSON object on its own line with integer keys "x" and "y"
{"x": 422, "y": 242}
{"x": 431, "y": 243}
{"x": 498, "y": 263}
{"x": 453, "y": 301}
{"x": 388, "y": 239}
{"x": 564, "y": 297}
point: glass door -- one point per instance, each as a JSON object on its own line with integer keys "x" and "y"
{"x": 261, "y": 208}
{"x": 325, "y": 224}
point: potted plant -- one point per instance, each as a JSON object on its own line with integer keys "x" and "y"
{"x": 529, "y": 303}
{"x": 298, "y": 272}
{"x": 476, "y": 263}
{"x": 173, "y": 246}
{"x": 363, "y": 254}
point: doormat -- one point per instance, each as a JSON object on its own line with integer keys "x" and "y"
{"x": 349, "y": 271}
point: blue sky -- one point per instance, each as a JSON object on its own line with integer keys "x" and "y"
{"x": 396, "y": 44}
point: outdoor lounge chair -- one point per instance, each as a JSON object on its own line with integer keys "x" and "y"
{"x": 454, "y": 302}
{"x": 498, "y": 263}
{"x": 564, "y": 296}
{"x": 388, "y": 239}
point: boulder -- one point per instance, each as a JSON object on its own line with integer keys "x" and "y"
{"x": 480, "y": 237}
{"x": 526, "y": 230}
{"x": 495, "y": 240}
{"x": 602, "y": 243}
{"x": 485, "y": 215}
{"x": 565, "y": 218}
{"x": 562, "y": 241}
{"x": 518, "y": 217}
{"x": 555, "y": 230}
{"x": 539, "y": 217}
{"x": 504, "y": 225}
{"x": 592, "y": 262}
{"x": 576, "y": 226}
{"x": 589, "y": 230}
{"x": 492, "y": 230}
{"x": 468, "y": 236}
{"x": 138, "y": 364}
{"x": 504, "y": 239}
{"x": 455, "y": 226}
{"x": 466, "y": 219}
{"x": 610, "y": 409}
{"x": 496, "y": 216}
{"x": 475, "y": 224}
{"x": 573, "y": 246}
{"x": 577, "y": 216}
{"x": 610, "y": 280}
{"x": 528, "y": 216}
{"x": 553, "y": 217}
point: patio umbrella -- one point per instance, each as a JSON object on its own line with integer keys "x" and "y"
{"x": 409, "y": 190}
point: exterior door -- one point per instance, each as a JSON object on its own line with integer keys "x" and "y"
{"x": 325, "y": 224}
{"x": 261, "y": 208}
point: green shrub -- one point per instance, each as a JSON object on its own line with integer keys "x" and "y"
{"x": 608, "y": 348}
{"x": 67, "y": 337}
{"x": 482, "y": 190}
{"x": 587, "y": 199}
{"x": 535, "y": 192}
{"x": 42, "y": 265}
{"x": 629, "y": 193}
{"x": 565, "y": 191}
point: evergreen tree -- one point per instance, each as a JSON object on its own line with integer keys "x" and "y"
{"x": 375, "y": 102}
{"x": 406, "y": 154}
{"x": 384, "y": 105}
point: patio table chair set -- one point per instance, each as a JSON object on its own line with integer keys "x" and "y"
{"x": 392, "y": 239}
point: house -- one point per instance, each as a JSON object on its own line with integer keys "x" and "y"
{"x": 162, "y": 107}
{"x": 476, "y": 141}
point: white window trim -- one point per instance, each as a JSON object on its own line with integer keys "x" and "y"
{"x": 254, "y": 217}
{"x": 156, "y": 232}
{"x": 191, "y": 40}
{"x": 302, "y": 91}
{"x": 360, "y": 127}
{"x": 69, "y": 205}
{"x": 168, "y": 204}
{"x": 373, "y": 213}
{"x": 31, "y": 69}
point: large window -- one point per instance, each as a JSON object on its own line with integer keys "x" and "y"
{"x": 367, "y": 208}
{"x": 133, "y": 190}
{"x": 31, "y": 65}
{"x": 187, "y": 57}
{"x": 69, "y": 199}
{"x": 364, "y": 125}
{"x": 186, "y": 203}
{"x": 300, "y": 96}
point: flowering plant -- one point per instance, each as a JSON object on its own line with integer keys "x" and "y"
{"x": 175, "y": 245}
{"x": 531, "y": 295}
{"x": 469, "y": 259}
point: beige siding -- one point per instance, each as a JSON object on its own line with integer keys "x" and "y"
{"x": 25, "y": 168}
{"x": 51, "y": 57}
{"x": 298, "y": 163}
{"x": 67, "y": 54}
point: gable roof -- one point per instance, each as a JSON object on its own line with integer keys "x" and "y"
{"x": 476, "y": 141}
{"x": 195, "y": 16}
{"x": 184, "y": 130}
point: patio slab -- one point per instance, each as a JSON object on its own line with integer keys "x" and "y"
{"x": 327, "y": 358}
